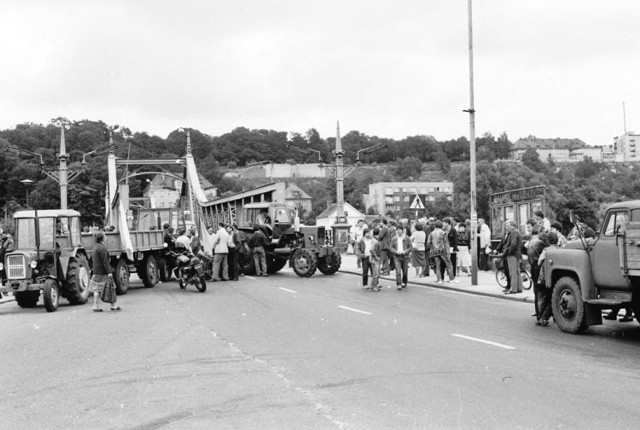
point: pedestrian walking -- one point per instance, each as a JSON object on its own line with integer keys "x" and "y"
{"x": 401, "y": 250}
{"x": 257, "y": 242}
{"x": 385, "y": 245}
{"x": 220, "y": 253}
{"x": 101, "y": 273}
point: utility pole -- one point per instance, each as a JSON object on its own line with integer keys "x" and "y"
{"x": 472, "y": 159}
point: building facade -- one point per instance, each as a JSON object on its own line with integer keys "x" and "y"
{"x": 625, "y": 147}
{"x": 398, "y": 196}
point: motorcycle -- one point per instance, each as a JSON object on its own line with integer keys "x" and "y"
{"x": 189, "y": 270}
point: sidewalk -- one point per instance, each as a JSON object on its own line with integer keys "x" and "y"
{"x": 7, "y": 297}
{"x": 487, "y": 285}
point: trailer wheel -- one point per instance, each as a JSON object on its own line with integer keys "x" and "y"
{"x": 330, "y": 264}
{"x": 27, "y": 299}
{"x": 149, "y": 271}
{"x": 77, "y": 283}
{"x": 164, "y": 269}
{"x": 568, "y": 307}
{"x": 304, "y": 262}
{"x": 121, "y": 276}
{"x": 51, "y": 295}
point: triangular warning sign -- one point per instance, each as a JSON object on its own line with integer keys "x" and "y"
{"x": 417, "y": 203}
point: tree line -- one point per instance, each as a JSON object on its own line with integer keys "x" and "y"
{"x": 585, "y": 187}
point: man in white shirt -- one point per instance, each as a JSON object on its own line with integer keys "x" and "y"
{"x": 484, "y": 238}
{"x": 401, "y": 249}
{"x": 183, "y": 240}
{"x": 220, "y": 252}
{"x": 357, "y": 236}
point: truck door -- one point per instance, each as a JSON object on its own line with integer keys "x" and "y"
{"x": 605, "y": 264}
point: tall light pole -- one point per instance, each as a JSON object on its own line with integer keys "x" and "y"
{"x": 28, "y": 183}
{"x": 472, "y": 158}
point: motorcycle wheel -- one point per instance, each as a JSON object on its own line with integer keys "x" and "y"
{"x": 200, "y": 284}
{"x": 181, "y": 284}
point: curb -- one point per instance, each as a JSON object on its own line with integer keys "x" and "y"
{"x": 457, "y": 289}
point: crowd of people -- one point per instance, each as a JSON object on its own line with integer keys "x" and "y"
{"x": 427, "y": 244}
{"x": 231, "y": 248}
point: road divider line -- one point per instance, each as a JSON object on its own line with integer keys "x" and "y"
{"x": 287, "y": 290}
{"x": 488, "y": 342}
{"x": 346, "y": 308}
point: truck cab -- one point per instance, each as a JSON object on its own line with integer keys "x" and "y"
{"x": 593, "y": 274}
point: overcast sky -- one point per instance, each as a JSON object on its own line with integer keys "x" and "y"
{"x": 549, "y": 68}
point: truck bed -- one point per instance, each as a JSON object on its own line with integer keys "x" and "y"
{"x": 141, "y": 240}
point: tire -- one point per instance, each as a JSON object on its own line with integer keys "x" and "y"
{"x": 568, "y": 307}
{"x": 121, "y": 277}
{"x": 330, "y": 264}
{"x": 149, "y": 272}
{"x": 51, "y": 295}
{"x": 27, "y": 299}
{"x": 248, "y": 267}
{"x": 164, "y": 269}
{"x": 501, "y": 278}
{"x": 275, "y": 264}
{"x": 304, "y": 262}
{"x": 527, "y": 282}
{"x": 200, "y": 283}
{"x": 77, "y": 283}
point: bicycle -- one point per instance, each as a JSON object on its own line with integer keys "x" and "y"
{"x": 501, "y": 276}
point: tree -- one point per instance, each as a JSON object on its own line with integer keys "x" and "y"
{"x": 531, "y": 159}
{"x": 408, "y": 168}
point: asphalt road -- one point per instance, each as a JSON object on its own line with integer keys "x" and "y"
{"x": 321, "y": 353}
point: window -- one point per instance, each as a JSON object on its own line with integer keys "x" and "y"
{"x": 423, "y": 190}
{"x": 396, "y": 198}
{"x": 388, "y": 191}
{"x": 616, "y": 223}
{"x": 406, "y": 198}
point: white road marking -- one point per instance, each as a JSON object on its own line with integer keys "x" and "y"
{"x": 249, "y": 277}
{"x": 488, "y": 342}
{"x": 354, "y": 310}
{"x": 287, "y": 290}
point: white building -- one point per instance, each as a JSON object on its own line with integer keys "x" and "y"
{"x": 398, "y": 196}
{"x": 625, "y": 147}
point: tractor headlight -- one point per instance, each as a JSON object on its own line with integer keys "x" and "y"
{"x": 34, "y": 264}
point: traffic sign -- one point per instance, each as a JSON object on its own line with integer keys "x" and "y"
{"x": 417, "y": 203}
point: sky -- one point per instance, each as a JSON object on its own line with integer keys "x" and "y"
{"x": 387, "y": 68}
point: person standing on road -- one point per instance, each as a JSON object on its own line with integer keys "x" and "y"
{"x": 363, "y": 252}
{"x": 544, "y": 296}
{"x": 257, "y": 243}
{"x": 101, "y": 272}
{"x": 385, "y": 245}
{"x": 357, "y": 236}
{"x": 452, "y": 236}
{"x": 513, "y": 252}
{"x": 401, "y": 249}
{"x": 535, "y": 246}
{"x": 234, "y": 245}
{"x": 374, "y": 260}
{"x": 418, "y": 245}
{"x": 464, "y": 257}
{"x": 438, "y": 245}
{"x": 220, "y": 253}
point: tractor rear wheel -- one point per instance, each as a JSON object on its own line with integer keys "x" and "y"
{"x": 77, "y": 283}
{"x": 330, "y": 264}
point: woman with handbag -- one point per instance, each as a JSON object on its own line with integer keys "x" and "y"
{"x": 101, "y": 283}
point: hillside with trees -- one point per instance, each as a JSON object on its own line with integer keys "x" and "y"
{"x": 586, "y": 187}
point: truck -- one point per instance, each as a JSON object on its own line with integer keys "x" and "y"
{"x": 305, "y": 248}
{"x": 593, "y": 274}
{"x": 53, "y": 257}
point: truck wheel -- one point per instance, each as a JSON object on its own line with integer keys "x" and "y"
{"x": 304, "y": 262}
{"x": 121, "y": 276}
{"x": 330, "y": 264}
{"x": 149, "y": 271}
{"x": 163, "y": 268}
{"x": 200, "y": 283}
{"x": 248, "y": 267}
{"x": 51, "y": 295}
{"x": 77, "y": 283}
{"x": 27, "y": 299}
{"x": 568, "y": 307}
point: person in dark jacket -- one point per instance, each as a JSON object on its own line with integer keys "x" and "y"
{"x": 452, "y": 236}
{"x": 384, "y": 237}
{"x": 257, "y": 243}
{"x": 101, "y": 272}
{"x": 513, "y": 252}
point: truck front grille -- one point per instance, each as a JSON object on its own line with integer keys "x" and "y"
{"x": 16, "y": 267}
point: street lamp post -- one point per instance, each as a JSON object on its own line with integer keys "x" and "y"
{"x": 28, "y": 184}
